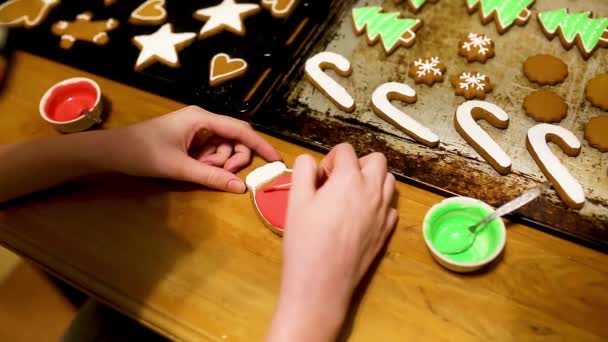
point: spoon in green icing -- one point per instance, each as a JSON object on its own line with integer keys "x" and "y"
{"x": 462, "y": 238}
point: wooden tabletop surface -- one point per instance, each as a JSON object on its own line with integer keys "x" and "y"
{"x": 196, "y": 264}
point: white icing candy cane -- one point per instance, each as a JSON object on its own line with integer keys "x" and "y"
{"x": 478, "y": 138}
{"x": 336, "y": 93}
{"x": 569, "y": 189}
{"x": 381, "y": 103}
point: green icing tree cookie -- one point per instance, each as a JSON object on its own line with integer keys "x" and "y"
{"x": 576, "y": 28}
{"x": 390, "y": 28}
{"x": 504, "y": 12}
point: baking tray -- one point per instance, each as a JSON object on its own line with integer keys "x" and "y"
{"x": 302, "y": 114}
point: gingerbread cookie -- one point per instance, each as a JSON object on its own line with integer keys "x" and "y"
{"x": 151, "y": 12}
{"x": 280, "y": 8}
{"x": 579, "y": 29}
{"x": 381, "y": 104}
{"x": 476, "y": 48}
{"x": 228, "y": 16}
{"x": 269, "y": 186}
{"x": 504, "y": 12}
{"x": 25, "y": 13}
{"x": 161, "y": 46}
{"x": 427, "y": 70}
{"x": 465, "y": 121}
{"x": 596, "y": 133}
{"x": 472, "y": 85}
{"x": 390, "y": 28}
{"x": 84, "y": 29}
{"x": 415, "y": 5}
{"x": 597, "y": 91}
{"x": 224, "y": 68}
{"x": 109, "y": 2}
{"x": 313, "y": 70}
{"x": 545, "y": 70}
{"x": 567, "y": 187}
{"x": 545, "y": 106}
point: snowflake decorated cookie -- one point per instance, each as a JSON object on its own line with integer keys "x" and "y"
{"x": 472, "y": 85}
{"x": 84, "y": 29}
{"x": 504, "y": 12}
{"x": 25, "y": 13}
{"x": 415, "y": 5}
{"x": 579, "y": 29}
{"x": 427, "y": 70}
{"x": 161, "y": 46}
{"x": 476, "y": 48}
{"x": 390, "y": 28}
{"x": 228, "y": 16}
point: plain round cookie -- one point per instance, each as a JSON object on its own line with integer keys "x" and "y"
{"x": 597, "y": 91}
{"x": 596, "y": 133}
{"x": 545, "y": 106}
{"x": 545, "y": 69}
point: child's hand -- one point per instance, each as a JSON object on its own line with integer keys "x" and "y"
{"x": 190, "y": 144}
{"x": 333, "y": 233}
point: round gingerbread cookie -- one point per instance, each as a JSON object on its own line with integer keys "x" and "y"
{"x": 596, "y": 133}
{"x": 545, "y": 69}
{"x": 597, "y": 91}
{"x": 545, "y": 106}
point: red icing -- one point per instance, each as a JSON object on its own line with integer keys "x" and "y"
{"x": 273, "y": 204}
{"x": 68, "y": 102}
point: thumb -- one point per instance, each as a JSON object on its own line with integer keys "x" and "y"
{"x": 303, "y": 180}
{"x": 192, "y": 170}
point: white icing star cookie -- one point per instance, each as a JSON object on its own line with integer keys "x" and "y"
{"x": 161, "y": 46}
{"x": 226, "y": 16}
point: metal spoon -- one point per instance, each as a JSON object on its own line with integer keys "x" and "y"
{"x": 467, "y": 239}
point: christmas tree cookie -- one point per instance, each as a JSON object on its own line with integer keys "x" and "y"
{"x": 390, "y": 28}
{"x": 578, "y": 29}
{"x": 504, "y": 12}
{"x": 415, "y": 5}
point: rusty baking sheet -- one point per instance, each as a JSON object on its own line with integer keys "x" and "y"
{"x": 304, "y": 115}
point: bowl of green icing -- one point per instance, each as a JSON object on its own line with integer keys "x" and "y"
{"x": 446, "y": 219}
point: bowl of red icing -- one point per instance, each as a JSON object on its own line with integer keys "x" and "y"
{"x": 72, "y": 105}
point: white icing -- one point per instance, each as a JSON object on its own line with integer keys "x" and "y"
{"x": 477, "y": 134}
{"x": 264, "y": 174}
{"x": 160, "y": 6}
{"x": 228, "y": 14}
{"x": 99, "y": 37}
{"x": 68, "y": 37}
{"x": 62, "y": 25}
{"x": 469, "y": 80}
{"x": 480, "y": 42}
{"x": 381, "y": 101}
{"x": 161, "y": 44}
{"x": 537, "y": 137}
{"x": 84, "y": 16}
{"x": 426, "y": 67}
{"x": 46, "y": 7}
{"x": 111, "y": 23}
{"x": 213, "y": 76}
{"x": 334, "y": 90}
{"x": 274, "y": 3}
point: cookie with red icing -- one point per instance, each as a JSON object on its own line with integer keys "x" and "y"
{"x": 269, "y": 186}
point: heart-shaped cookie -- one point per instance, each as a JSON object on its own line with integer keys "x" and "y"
{"x": 224, "y": 68}
{"x": 280, "y": 8}
{"x": 151, "y": 12}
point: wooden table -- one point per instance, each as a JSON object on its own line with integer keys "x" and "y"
{"x": 196, "y": 264}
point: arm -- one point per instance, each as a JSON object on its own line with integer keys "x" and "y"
{"x": 190, "y": 145}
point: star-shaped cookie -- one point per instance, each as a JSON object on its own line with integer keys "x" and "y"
{"x": 161, "y": 46}
{"x": 226, "y": 16}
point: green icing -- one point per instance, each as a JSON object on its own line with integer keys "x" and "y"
{"x": 450, "y": 218}
{"x": 507, "y": 10}
{"x": 590, "y": 30}
{"x": 388, "y": 26}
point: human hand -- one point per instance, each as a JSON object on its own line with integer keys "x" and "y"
{"x": 334, "y": 230}
{"x": 190, "y": 144}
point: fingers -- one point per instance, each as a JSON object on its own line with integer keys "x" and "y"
{"x": 221, "y": 155}
{"x": 191, "y": 170}
{"x": 241, "y": 157}
{"x": 340, "y": 158}
{"x": 388, "y": 189}
{"x": 242, "y": 132}
{"x": 374, "y": 169}
{"x": 303, "y": 181}
{"x": 390, "y": 223}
